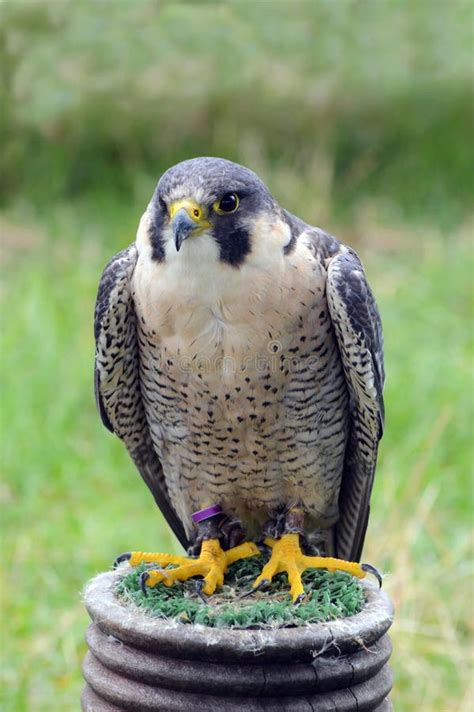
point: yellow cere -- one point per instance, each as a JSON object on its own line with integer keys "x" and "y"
{"x": 193, "y": 209}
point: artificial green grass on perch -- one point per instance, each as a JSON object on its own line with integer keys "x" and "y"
{"x": 239, "y": 358}
{"x": 329, "y": 595}
{"x": 173, "y": 649}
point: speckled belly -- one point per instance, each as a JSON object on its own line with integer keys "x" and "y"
{"x": 252, "y": 435}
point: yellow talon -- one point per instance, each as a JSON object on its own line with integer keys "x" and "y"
{"x": 288, "y": 557}
{"x": 212, "y": 564}
{"x": 142, "y": 557}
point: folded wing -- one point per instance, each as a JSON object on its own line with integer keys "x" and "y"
{"x": 358, "y": 330}
{"x": 117, "y": 378}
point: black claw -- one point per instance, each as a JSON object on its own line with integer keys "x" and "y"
{"x": 143, "y": 579}
{"x": 299, "y": 599}
{"x": 123, "y": 557}
{"x": 372, "y": 570}
{"x": 262, "y": 584}
{"x": 263, "y": 548}
{"x": 199, "y": 587}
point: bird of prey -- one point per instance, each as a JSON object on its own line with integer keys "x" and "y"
{"x": 239, "y": 357}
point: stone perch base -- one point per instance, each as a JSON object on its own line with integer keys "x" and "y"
{"x": 139, "y": 663}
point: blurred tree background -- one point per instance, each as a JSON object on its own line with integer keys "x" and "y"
{"x": 358, "y": 115}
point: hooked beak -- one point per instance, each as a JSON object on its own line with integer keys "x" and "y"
{"x": 187, "y": 218}
{"x": 183, "y": 226}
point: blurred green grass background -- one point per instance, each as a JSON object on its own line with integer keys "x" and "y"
{"x": 358, "y": 115}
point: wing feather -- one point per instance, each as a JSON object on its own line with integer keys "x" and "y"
{"x": 358, "y": 330}
{"x": 117, "y": 378}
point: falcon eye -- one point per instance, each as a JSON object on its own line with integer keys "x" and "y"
{"x": 228, "y": 203}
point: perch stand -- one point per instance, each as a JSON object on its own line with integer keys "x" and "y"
{"x": 137, "y": 662}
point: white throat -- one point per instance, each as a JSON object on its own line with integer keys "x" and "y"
{"x": 197, "y": 304}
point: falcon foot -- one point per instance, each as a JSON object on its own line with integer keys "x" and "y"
{"x": 287, "y": 557}
{"x": 212, "y": 564}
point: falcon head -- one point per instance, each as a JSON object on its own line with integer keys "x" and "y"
{"x": 213, "y": 202}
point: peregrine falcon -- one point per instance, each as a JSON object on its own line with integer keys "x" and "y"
{"x": 239, "y": 357}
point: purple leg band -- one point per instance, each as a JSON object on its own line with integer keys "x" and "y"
{"x": 207, "y": 513}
